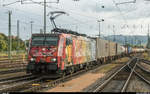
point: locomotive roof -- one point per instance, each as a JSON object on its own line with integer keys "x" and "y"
{"x": 58, "y": 31}
{"x": 39, "y": 34}
{"x": 66, "y": 31}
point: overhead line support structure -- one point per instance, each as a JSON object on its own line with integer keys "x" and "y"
{"x": 9, "y": 34}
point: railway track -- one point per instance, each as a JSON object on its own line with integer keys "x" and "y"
{"x": 142, "y": 73}
{"x": 12, "y": 60}
{"x": 16, "y": 79}
{"x": 119, "y": 81}
{"x": 15, "y": 65}
{"x": 44, "y": 85}
{"x": 51, "y": 84}
{"x": 17, "y": 84}
{"x": 14, "y": 70}
{"x": 12, "y": 63}
{"x": 142, "y": 79}
{"x": 25, "y": 85}
{"x": 145, "y": 61}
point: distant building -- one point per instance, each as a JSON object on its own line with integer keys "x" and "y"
{"x": 13, "y": 37}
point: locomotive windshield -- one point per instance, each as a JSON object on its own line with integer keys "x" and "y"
{"x": 46, "y": 41}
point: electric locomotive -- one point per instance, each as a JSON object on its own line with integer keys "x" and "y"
{"x": 60, "y": 52}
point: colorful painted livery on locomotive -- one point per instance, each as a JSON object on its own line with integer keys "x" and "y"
{"x": 54, "y": 53}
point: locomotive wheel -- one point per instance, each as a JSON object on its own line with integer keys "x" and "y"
{"x": 34, "y": 73}
{"x": 72, "y": 70}
{"x": 89, "y": 66}
{"x": 63, "y": 75}
{"x": 86, "y": 68}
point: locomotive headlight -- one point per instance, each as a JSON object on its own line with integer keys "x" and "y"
{"x": 53, "y": 59}
{"x": 32, "y": 59}
{"x": 43, "y": 49}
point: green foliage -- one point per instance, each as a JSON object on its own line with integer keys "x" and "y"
{"x": 3, "y": 42}
{"x": 27, "y": 43}
{"x": 3, "y": 45}
{"x": 15, "y": 44}
{"x": 136, "y": 46}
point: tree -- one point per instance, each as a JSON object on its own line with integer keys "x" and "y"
{"x": 3, "y": 45}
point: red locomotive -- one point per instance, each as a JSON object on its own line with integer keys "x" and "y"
{"x": 59, "y": 53}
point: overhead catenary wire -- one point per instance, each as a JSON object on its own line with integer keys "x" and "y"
{"x": 91, "y": 18}
{"x": 74, "y": 12}
{"x": 121, "y": 14}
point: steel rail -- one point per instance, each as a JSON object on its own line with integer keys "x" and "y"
{"x": 146, "y": 61}
{"x": 108, "y": 80}
{"x": 54, "y": 83}
{"x": 127, "y": 81}
{"x": 14, "y": 59}
{"x": 140, "y": 76}
{"x": 51, "y": 84}
{"x": 13, "y": 66}
{"x": 19, "y": 85}
{"x": 16, "y": 77}
{"x": 142, "y": 68}
{"x": 17, "y": 80}
{"x": 112, "y": 76}
{"x": 12, "y": 71}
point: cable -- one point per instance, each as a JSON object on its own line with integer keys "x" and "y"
{"x": 49, "y": 6}
{"x": 121, "y": 14}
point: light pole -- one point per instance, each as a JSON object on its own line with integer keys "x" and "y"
{"x": 18, "y": 43}
{"x": 44, "y": 16}
{"x": 9, "y": 34}
{"x": 114, "y": 33}
{"x": 31, "y": 27}
{"x": 44, "y": 3}
{"x": 99, "y": 25}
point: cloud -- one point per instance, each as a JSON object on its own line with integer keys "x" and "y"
{"x": 82, "y": 14}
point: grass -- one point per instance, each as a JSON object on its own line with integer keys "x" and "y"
{"x": 4, "y": 69}
{"x": 13, "y": 56}
{"x": 108, "y": 67}
{"x": 146, "y": 56}
{"x": 122, "y": 60}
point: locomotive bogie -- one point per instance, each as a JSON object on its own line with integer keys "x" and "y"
{"x": 42, "y": 67}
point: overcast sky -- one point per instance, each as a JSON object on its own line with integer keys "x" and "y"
{"x": 128, "y": 19}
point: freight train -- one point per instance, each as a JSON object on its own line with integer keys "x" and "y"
{"x": 62, "y": 52}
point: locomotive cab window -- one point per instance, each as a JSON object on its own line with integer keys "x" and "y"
{"x": 42, "y": 40}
